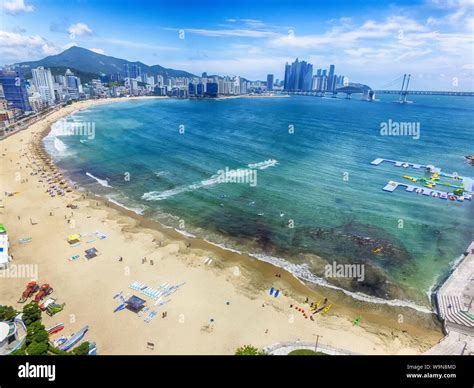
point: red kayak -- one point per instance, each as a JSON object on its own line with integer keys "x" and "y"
{"x": 55, "y": 329}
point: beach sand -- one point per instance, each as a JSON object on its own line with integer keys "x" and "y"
{"x": 232, "y": 291}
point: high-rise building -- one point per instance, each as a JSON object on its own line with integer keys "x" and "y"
{"x": 212, "y": 89}
{"x": 298, "y": 76}
{"x": 135, "y": 71}
{"x": 287, "y": 77}
{"x": 160, "y": 80}
{"x": 331, "y": 79}
{"x": 126, "y": 71}
{"x": 43, "y": 82}
{"x": 200, "y": 89}
{"x": 73, "y": 84}
{"x": 150, "y": 80}
{"x": 269, "y": 81}
{"x": 191, "y": 89}
{"x": 14, "y": 89}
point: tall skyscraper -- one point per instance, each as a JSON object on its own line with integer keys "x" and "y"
{"x": 331, "y": 79}
{"x": 200, "y": 89}
{"x": 14, "y": 89}
{"x": 270, "y": 82}
{"x": 43, "y": 81}
{"x": 159, "y": 80}
{"x": 73, "y": 84}
{"x": 298, "y": 76}
{"x": 126, "y": 71}
{"x": 191, "y": 89}
{"x": 286, "y": 80}
{"x": 135, "y": 71}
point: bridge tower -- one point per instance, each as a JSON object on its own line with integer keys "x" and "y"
{"x": 404, "y": 89}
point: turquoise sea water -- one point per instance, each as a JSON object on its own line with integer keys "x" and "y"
{"x": 322, "y": 201}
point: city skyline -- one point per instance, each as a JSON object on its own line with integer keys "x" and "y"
{"x": 428, "y": 39}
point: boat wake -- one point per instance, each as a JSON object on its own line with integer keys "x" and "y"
{"x": 263, "y": 165}
{"x": 213, "y": 180}
{"x": 159, "y": 196}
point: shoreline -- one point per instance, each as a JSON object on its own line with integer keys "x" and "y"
{"x": 278, "y": 263}
{"x": 260, "y": 273}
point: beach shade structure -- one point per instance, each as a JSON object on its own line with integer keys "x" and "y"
{"x": 135, "y": 304}
{"x": 73, "y": 238}
{"x": 4, "y": 249}
{"x": 91, "y": 253}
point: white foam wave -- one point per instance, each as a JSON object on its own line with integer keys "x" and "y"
{"x": 59, "y": 145}
{"x": 263, "y": 165}
{"x": 302, "y": 272}
{"x": 223, "y": 247}
{"x": 138, "y": 211}
{"x": 102, "y": 182}
{"x": 184, "y": 233}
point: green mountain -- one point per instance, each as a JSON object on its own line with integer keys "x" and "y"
{"x": 87, "y": 61}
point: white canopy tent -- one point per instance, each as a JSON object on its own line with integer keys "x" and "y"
{"x": 4, "y": 255}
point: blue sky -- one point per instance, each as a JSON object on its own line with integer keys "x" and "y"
{"x": 373, "y": 42}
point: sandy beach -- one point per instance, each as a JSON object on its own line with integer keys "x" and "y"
{"x": 224, "y": 303}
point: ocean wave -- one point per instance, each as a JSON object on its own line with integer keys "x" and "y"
{"x": 263, "y": 165}
{"x": 302, "y": 272}
{"x": 184, "y": 233}
{"x": 57, "y": 128}
{"x": 160, "y": 173}
{"x": 59, "y": 145}
{"x": 223, "y": 247}
{"x": 136, "y": 210}
{"x": 102, "y": 182}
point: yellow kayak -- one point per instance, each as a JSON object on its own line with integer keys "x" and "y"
{"x": 326, "y": 309}
{"x": 316, "y": 306}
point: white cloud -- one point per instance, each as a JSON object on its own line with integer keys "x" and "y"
{"x": 248, "y": 33}
{"x": 371, "y": 51}
{"x": 18, "y": 47}
{"x": 16, "y": 6}
{"x": 79, "y": 29}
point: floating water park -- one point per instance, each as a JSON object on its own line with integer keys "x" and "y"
{"x": 430, "y": 181}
